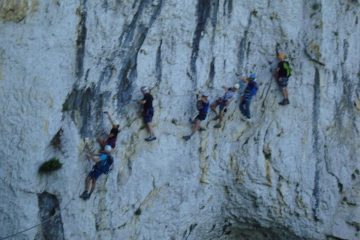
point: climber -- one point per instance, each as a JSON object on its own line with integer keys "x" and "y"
{"x": 103, "y": 162}
{"x": 249, "y": 92}
{"x": 223, "y": 102}
{"x": 111, "y": 138}
{"x": 282, "y": 74}
{"x": 148, "y": 112}
{"x": 202, "y": 106}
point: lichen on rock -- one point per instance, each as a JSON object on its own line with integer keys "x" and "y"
{"x": 14, "y": 10}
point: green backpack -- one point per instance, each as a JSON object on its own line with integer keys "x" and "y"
{"x": 287, "y": 68}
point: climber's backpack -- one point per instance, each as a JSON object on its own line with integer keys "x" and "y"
{"x": 108, "y": 164}
{"x": 287, "y": 68}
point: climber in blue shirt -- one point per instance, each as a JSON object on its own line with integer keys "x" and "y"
{"x": 250, "y": 91}
{"x": 103, "y": 162}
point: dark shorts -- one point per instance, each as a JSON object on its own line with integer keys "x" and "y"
{"x": 283, "y": 82}
{"x": 111, "y": 142}
{"x": 201, "y": 117}
{"x": 148, "y": 115}
{"x": 221, "y": 103}
{"x": 96, "y": 172}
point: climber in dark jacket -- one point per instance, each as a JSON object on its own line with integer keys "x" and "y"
{"x": 111, "y": 138}
{"x": 203, "y": 107}
{"x": 148, "y": 112}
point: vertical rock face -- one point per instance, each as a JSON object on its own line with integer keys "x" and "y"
{"x": 293, "y": 173}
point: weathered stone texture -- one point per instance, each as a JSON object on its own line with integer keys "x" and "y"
{"x": 293, "y": 173}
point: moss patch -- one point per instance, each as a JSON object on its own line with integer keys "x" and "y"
{"x": 65, "y": 107}
{"x": 51, "y": 165}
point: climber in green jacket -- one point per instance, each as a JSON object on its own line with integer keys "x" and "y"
{"x": 282, "y": 75}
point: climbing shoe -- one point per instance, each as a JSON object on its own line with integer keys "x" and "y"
{"x": 248, "y": 120}
{"x": 284, "y": 102}
{"x": 149, "y": 139}
{"x": 202, "y": 129}
{"x": 216, "y": 118}
{"x": 244, "y": 118}
{"x": 217, "y": 125}
{"x": 186, "y": 138}
{"x": 85, "y": 195}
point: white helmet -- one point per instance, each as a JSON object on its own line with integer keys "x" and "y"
{"x": 108, "y": 148}
{"x": 144, "y": 89}
{"x": 236, "y": 86}
{"x": 204, "y": 94}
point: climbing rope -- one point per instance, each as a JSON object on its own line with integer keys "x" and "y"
{"x": 43, "y": 221}
{"x": 28, "y": 229}
{"x": 170, "y": 94}
{"x": 218, "y": 92}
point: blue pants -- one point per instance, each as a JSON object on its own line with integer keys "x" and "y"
{"x": 245, "y": 108}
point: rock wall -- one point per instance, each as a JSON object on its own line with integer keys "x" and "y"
{"x": 293, "y": 173}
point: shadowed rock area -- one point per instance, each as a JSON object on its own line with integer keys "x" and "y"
{"x": 49, "y": 209}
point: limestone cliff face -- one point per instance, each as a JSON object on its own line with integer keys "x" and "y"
{"x": 294, "y": 173}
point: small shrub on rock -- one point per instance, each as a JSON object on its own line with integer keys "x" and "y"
{"x": 51, "y": 165}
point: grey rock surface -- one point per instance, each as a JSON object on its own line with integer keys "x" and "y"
{"x": 292, "y": 173}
